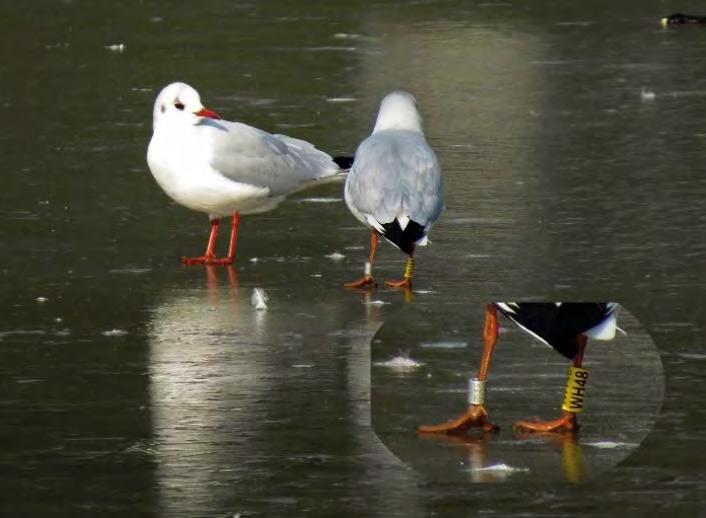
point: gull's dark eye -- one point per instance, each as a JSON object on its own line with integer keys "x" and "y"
{"x": 178, "y": 105}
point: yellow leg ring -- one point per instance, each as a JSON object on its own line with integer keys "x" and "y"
{"x": 575, "y": 392}
{"x": 409, "y": 268}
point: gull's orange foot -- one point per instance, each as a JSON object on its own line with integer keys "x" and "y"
{"x": 476, "y": 416}
{"x": 566, "y": 423}
{"x": 208, "y": 260}
{"x": 364, "y": 282}
{"x": 403, "y": 283}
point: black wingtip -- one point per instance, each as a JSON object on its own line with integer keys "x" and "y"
{"x": 344, "y": 162}
{"x": 559, "y": 326}
{"x": 403, "y": 239}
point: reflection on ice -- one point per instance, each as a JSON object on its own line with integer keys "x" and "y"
{"x": 259, "y": 299}
{"x": 208, "y": 370}
{"x": 233, "y": 388}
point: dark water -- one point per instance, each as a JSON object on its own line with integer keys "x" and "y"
{"x": 141, "y": 387}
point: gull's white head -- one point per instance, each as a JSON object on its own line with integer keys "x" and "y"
{"x": 398, "y": 111}
{"x": 179, "y": 103}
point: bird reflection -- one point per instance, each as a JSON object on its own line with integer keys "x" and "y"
{"x": 235, "y": 391}
{"x": 475, "y": 449}
{"x": 572, "y": 458}
{"x": 483, "y": 465}
{"x": 208, "y": 369}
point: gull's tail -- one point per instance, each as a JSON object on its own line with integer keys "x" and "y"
{"x": 404, "y": 234}
{"x": 344, "y": 162}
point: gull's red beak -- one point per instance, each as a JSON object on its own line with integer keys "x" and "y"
{"x": 205, "y": 112}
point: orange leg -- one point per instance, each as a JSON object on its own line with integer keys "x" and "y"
{"x": 476, "y": 416}
{"x": 568, "y": 421}
{"x": 209, "y": 257}
{"x": 235, "y": 223}
{"x": 367, "y": 279}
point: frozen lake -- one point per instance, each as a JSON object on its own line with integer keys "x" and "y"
{"x": 133, "y": 385}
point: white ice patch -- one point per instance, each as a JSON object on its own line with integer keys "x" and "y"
{"x": 41, "y": 299}
{"x": 349, "y": 36}
{"x": 574, "y": 24}
{"x": 376, "y": 303}
{"x": 116, "y": 47}
{"x": 692, "y": 356}
{"x": 400, "y": 362}
{"x": 114, "y": 332}
{"x": 341, "y": 99}
{"x": 130, "y": 270}
{"x": 259, "y": 298}
{"x": 609, "y": 444}
{"x": 499, "y": 468}
{"x": 328, "y": 48}
{"x": 647, "y": 95}
{"x": 320, "y": 199}
{"x": 448, "y": 344}
{"x": 335, "y": 256}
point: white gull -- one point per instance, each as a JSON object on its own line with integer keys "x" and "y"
{"x": 225, "y": 168}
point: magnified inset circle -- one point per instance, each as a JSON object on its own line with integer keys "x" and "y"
{"x": 421, "y": 366}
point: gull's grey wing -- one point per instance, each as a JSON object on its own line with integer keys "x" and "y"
{"x": 396, "y": 174}
{"x": 252, "y": 156}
